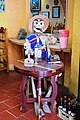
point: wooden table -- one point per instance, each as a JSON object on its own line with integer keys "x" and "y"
{"x": 17, "y": 42}
{"x": 40, "y": 71}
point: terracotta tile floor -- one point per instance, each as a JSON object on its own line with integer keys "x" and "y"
{"x": 10, "y": 100}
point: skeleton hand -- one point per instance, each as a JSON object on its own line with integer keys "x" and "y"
{"x": 52, "y": 39}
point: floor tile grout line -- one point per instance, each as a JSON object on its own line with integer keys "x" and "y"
{"x": 11, "y": 114}
{"x": 9, "y": 108}
{"x": 22, "y": 116}
{"x": 7, "y": 104}
{"x": 8, "y": 99}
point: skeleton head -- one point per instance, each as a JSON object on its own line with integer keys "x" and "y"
{"x": 38, "y": 25}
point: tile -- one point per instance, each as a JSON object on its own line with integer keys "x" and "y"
{"x": 30, "y": 106}
{"x": 18, "y": 88}
{"x": 21, "y": 118}
{"x": 10, "y": 100}
{"x": 3, "y": 92}
{"x": 3, "y": 107}
{"x": 31, "y": 115}
{"x": 10, "y": 86}
{"x": 3, "y": 82}
{"x": 15, "y": 111}
{"x": 6, "y": 116}
{"x": 13, "y": 93}
{"x": 52, "y": 116}
{"x": 13, "y": 101}
{"x": 18, "y": 96}
{"x": 3, "y": 97}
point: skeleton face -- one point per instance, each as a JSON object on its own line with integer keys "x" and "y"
{"x": 38, "y": 25}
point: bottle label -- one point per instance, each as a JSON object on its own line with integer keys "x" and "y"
{"x": 39, "y": 53}
{"x": 64, "y": 109}
{"x": 73, "y": 114}
{"x": 69, "y": 112}
{"x": 36, "y": 52}
{"x": 60, "y": 107}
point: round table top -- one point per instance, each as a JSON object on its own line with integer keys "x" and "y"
{"x": 42, "y": 69}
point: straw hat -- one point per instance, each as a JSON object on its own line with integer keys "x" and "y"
{"x": 44, "y": 18}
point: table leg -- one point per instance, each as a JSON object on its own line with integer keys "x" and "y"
{"x": 54, "y": 92}
{"x": 39, "y": 98}
{"x": 23, "y": 97}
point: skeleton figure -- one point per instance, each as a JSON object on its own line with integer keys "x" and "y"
{"x": 37, "y": 25}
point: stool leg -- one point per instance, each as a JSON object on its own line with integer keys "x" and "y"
{"x": 27, "y": 86}
{"x": 39, "y": 98}
{"x": 45, "y": 83}
{"x": 34, "y": 95}
{"x": 54, "y": 92}
{"x": 22, "y": 87}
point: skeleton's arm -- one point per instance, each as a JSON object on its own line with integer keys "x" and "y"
{"x": 27, "y": 47}
{"x": 52, "y": 39}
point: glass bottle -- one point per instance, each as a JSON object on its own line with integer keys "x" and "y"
{"x": 61, "y": 103}
{"x": 65, "y": 97}
{"x": 69, "y": 99}
{"x": 69, "y": 108}
{"x": 64, "y": 106}
{"x": 73, "y": 111}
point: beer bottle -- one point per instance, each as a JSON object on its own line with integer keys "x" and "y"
{"x": 69, "y": 108}
{"x": 64, "y": 106}
{"x": 73, "y": 111}
{"x": 61, "y": 103}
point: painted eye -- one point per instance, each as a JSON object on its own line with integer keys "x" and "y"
{"x": 41, "y": 23}
{"x": 36, "y": 22}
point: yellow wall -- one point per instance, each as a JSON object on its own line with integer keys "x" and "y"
{"x": 3, "y": 19}
{"x": 70, "y": 15}
{"x": 73, "y": 24}
{"x": 75, "y": 47}
{"x": 16, "y": 16}
{"x": 69, "y": 26}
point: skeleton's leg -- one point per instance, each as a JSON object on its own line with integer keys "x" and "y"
{"x": 49, "y": 92}
{"x": 44, "y": 105}
{"x": 35, "y": 96}
{"x": 27, "y": 87}
{"x": 45, "y": 83}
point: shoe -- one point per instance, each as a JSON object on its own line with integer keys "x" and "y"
{"x": 42, "y": 113}
{"x": 46, "y": 108}
{"x": 36, "y": 108}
